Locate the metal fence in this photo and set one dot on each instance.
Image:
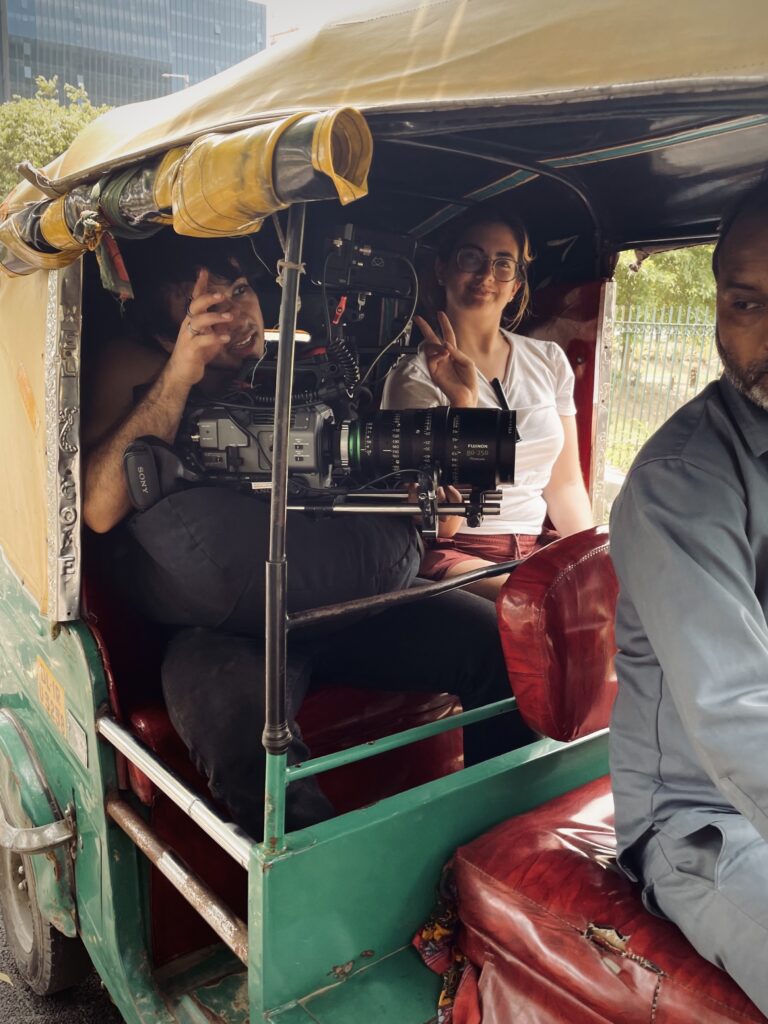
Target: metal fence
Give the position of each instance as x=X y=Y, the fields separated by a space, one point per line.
x=661 y=359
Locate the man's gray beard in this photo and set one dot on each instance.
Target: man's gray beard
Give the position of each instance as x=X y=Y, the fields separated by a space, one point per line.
x=757 y=393
x=741 y=380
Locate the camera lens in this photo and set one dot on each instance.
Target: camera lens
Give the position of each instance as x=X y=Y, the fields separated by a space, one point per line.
x=475 y=447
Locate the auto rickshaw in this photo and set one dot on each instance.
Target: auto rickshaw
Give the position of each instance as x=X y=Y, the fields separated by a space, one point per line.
x=607 y=127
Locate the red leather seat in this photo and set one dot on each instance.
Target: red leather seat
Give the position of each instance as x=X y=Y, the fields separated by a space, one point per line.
x=556 y=622
x=561 y=935
x=556 y=931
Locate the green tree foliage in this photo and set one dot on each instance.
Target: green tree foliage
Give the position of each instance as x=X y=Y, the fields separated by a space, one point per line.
x=39 y=129
x=682 y=277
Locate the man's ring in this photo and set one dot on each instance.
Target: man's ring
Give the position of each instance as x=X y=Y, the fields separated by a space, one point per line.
x=192 y=329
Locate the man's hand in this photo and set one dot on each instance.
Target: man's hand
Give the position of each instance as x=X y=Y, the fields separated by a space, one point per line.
x=198 y=342
x=106 y=499
x=450 y=369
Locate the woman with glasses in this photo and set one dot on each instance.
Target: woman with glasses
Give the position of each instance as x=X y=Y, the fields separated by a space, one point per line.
x=482 y=295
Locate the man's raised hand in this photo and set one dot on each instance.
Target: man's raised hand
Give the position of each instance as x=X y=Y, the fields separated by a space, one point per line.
x=198 y=342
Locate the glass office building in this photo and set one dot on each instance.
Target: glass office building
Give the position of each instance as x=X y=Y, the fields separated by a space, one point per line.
x=124 y=50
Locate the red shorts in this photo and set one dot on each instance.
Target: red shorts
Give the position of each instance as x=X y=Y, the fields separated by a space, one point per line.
x=442 y=555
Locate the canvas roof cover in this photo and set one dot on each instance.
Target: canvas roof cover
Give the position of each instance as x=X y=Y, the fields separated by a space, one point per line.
x=413 y=54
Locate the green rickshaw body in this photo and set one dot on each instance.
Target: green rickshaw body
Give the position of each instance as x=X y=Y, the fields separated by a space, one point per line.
x=463 y=103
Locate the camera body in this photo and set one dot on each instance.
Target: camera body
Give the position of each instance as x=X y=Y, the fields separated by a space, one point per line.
x=239 y=443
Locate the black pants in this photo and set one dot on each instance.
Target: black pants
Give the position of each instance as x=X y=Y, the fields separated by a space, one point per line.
x=196 y=559
x=214 y=689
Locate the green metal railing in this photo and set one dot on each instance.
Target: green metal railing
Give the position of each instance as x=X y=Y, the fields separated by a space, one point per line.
x=279 y=774
x=399 y=739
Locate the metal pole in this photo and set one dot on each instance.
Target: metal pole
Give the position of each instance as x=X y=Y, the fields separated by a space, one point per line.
x=694 y=386
x=328 y=612
x=227 y=925
x=277 y=735
x=228 y=836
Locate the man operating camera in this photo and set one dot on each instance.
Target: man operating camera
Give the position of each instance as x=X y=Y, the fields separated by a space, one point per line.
x=195 y=560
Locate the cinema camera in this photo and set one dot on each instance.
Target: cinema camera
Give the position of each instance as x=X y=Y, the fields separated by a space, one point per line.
x=336 y=459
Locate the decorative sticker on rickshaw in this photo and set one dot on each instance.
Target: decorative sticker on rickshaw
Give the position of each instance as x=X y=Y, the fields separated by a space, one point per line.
x=52 y=696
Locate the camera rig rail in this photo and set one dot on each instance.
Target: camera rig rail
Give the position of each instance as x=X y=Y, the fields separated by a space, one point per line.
x=154 y=469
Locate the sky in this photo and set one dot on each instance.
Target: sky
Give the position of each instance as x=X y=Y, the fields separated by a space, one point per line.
x=284 y=15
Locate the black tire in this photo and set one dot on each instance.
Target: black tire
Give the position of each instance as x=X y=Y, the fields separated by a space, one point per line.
x=47 y=960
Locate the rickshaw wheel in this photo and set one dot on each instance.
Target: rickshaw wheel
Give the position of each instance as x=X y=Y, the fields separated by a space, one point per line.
x=47 y=960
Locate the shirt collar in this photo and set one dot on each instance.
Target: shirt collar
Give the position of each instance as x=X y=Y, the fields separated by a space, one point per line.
x=750 y=418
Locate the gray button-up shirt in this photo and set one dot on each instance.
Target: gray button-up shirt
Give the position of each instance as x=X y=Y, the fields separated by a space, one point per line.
x=689 y=539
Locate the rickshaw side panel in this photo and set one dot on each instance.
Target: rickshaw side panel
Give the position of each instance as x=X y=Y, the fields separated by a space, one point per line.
x=25 y=794
x=362 y=869
x=52 y=683
x=24 y=311
x=396 y=990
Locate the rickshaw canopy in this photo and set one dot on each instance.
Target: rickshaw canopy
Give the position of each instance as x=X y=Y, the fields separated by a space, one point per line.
x=440 y=54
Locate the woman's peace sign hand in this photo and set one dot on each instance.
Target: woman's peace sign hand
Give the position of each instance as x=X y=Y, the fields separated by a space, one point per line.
x=450 y=369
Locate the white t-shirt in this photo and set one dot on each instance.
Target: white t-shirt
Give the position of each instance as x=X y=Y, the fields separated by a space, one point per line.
x=538 y=385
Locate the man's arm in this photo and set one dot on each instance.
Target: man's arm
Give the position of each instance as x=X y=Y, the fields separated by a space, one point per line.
x=105 y=498
x=684 y=560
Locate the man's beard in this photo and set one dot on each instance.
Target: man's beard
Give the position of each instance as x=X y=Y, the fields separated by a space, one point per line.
x=750 y=380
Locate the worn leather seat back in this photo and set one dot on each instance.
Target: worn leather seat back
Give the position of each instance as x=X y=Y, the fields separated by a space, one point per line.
x=556 y=615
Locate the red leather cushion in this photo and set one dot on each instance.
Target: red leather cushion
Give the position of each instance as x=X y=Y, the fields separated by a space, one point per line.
x=130 y=647
x=570 y=314
x=338 y=717
x=152 y=726
x=544 y=910
x=556 y=614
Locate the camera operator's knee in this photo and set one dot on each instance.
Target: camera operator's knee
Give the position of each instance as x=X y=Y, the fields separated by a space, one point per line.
x=211 y=688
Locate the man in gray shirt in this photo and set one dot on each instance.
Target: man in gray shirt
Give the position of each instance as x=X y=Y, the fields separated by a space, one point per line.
x=689 y=538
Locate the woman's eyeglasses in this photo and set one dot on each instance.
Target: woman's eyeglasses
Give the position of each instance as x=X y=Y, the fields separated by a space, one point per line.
x=471 y=260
